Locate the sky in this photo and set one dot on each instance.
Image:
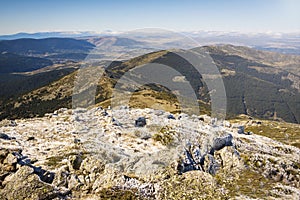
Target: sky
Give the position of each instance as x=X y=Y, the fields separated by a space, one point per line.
x=125 y=15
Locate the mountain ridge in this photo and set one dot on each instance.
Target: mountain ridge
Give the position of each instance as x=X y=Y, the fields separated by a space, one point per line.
x=257 y=83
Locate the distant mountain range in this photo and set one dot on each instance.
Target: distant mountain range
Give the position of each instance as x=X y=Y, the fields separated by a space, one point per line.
x=45 y=46
x=62 y=49
x=42 y=35
x=288 y=43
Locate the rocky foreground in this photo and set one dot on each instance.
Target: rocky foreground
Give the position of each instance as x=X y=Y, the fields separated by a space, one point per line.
x=142 y=154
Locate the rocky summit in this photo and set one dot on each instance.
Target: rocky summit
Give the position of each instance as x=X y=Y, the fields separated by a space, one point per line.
x=129 y=153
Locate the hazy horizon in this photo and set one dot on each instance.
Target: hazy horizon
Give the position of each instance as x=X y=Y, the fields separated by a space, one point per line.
x=116 y=32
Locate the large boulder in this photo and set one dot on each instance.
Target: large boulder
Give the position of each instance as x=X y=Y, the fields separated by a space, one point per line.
x=8 y=164
x=220 y=143
x=229 y=159
x=24 y=184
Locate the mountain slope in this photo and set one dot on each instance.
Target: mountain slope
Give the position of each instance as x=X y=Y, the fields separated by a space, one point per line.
x=10 y=62
x=259 y=86
x=256 y=84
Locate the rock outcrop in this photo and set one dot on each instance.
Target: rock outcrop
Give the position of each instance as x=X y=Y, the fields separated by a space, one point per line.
x=21 y=180
x=84 y=154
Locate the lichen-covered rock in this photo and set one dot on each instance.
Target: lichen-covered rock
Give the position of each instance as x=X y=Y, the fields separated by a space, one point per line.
x=61 y=176
x=73 y=182
x=3 y=154
x=10 y=159
x=105 y=161
x=92 y=165
x=210 y=166
x=24 y=184
x=75 y=162
x=108 y=179
x=229 y=159
x=220 y=143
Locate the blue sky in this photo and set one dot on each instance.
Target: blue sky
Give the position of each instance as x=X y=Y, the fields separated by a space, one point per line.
x=122 y=15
